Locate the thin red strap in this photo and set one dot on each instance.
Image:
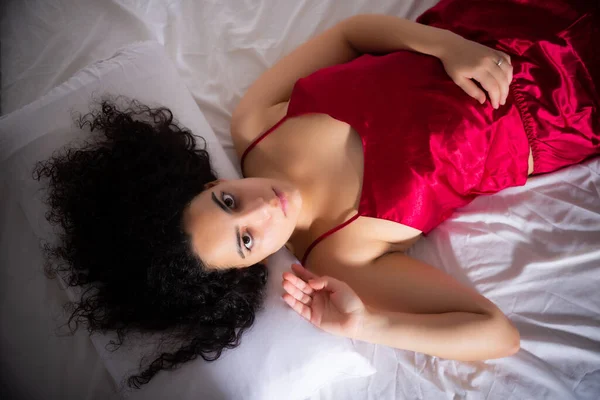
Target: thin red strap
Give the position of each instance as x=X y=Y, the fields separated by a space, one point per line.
x=258 y=140
x=323 y=236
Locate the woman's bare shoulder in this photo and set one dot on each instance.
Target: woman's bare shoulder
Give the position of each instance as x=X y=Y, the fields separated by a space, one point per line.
x=246 y=128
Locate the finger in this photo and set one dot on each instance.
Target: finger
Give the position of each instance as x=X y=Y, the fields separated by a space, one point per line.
x=471 y=89
x=488 y=82
x=508 y=71
x=296 y=293
x=298 y=282
x=340 y=293
x=326 y=282
x=506 y=66
x=501 y=79
x=303 y=272
x=300 y=308
x=505 y=56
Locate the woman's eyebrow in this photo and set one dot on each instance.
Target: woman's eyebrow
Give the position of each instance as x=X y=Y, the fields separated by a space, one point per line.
x=218 y=202
x=238 y=241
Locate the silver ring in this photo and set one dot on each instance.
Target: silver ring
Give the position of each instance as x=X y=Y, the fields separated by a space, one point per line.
x=499 y=62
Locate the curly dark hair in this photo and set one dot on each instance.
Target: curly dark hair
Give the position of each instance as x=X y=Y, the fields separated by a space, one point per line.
x=119 y=200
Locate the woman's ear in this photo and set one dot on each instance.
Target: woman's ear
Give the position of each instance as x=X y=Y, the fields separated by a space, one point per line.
x=213 y=183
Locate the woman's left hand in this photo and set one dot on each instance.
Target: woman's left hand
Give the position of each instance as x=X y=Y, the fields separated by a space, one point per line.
x=465 y=60
x=326 y=302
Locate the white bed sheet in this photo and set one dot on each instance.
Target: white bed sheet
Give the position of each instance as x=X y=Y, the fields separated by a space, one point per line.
x=535 y=251
x=219 y=46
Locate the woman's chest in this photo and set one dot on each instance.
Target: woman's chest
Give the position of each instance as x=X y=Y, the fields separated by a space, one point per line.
x=325 y=158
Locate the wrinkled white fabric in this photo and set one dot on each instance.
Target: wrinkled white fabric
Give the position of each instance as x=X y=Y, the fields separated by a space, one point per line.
x=534 y=251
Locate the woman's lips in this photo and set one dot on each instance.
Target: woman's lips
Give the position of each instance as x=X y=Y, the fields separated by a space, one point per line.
x=282 y=200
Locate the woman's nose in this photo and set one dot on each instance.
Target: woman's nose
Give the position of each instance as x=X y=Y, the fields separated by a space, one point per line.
x=259 y=211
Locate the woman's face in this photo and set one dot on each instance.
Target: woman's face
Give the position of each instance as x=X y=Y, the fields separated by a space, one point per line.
x=237 y=223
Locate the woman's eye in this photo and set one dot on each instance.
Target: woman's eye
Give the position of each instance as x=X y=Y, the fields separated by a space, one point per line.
x=228 y=200
x=247 y=240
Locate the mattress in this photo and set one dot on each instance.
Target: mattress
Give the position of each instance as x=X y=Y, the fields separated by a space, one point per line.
x=534 y=250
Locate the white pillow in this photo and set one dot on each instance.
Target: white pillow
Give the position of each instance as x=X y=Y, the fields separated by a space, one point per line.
x=282 y=356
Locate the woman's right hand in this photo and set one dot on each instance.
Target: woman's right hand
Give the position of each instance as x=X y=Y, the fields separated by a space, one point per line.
x=465 y=60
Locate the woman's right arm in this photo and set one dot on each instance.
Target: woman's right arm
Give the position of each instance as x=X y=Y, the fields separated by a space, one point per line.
x=339 y=44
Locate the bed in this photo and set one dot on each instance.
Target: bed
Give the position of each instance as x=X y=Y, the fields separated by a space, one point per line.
x=533 y=250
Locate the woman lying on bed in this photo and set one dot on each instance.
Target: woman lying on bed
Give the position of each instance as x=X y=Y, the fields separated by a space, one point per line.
x=349 y=159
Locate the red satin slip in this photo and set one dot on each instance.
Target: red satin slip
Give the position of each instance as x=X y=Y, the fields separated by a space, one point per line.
x=428 y=147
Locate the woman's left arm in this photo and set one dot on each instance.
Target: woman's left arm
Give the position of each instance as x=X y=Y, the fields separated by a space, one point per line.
x=409 y=305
